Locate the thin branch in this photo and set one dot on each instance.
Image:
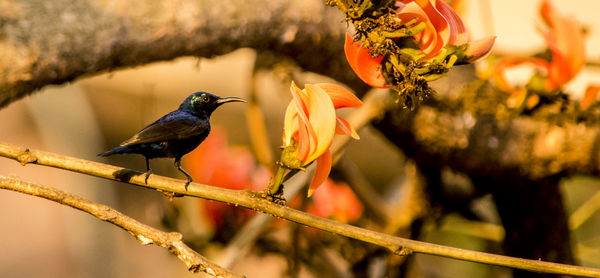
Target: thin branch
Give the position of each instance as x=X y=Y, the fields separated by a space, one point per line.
x=585 y=211
x=251 y=200
x=143 y=233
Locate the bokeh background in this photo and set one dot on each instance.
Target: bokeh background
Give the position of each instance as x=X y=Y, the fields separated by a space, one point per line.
x=43 y=239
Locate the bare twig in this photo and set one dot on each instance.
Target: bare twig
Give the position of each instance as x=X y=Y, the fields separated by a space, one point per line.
x=143 y=233
x=251 y=200
x=585 y=211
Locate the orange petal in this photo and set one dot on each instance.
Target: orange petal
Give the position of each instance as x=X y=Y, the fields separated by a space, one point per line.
x=436 y=33
x=361 y=62
x=321 y=173
x=591 y=93
x=322 y=119
x=458 y=6
x=479 y=49
x=566 y=41
x=458 y=30
x=340 y=96
x=307 y=138
x=298 y=98
x=303 y=141
x=346 y=128
x=498 y=74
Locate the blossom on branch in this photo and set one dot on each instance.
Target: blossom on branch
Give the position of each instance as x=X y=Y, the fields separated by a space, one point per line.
x=216 y=163
x=309 y=125
x=432 y=35
x=336 y=201
x=565 y=40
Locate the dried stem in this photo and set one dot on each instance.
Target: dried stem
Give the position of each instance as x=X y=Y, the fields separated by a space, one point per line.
x=143 y=233
x=251 y=200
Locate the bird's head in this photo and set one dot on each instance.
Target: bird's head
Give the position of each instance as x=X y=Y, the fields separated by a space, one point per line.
x=200 y=102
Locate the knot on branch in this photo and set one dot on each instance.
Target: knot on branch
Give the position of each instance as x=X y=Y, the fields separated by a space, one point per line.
x=195 y=268
x=175 y=237
x=144 y=240
x=26 y=157
x=276 y=198
x=403 y=251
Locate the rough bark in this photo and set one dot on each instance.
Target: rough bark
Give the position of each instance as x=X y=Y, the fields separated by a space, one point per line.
x=53 y=42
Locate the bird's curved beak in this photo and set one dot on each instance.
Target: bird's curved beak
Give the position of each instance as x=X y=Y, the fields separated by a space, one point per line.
x=230 y=99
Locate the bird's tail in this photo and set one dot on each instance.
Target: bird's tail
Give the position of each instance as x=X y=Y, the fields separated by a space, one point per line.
x=117 y=150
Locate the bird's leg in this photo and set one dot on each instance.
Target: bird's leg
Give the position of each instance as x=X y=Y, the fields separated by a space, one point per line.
x=148 y=170
x=189 y=178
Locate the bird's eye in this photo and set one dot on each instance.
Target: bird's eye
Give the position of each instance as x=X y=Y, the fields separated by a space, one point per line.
x=204 y=98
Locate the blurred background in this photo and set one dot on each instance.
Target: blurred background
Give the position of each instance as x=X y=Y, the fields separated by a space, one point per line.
x=43 y=239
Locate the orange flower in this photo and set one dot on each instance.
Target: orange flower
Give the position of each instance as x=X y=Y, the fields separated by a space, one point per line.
x=336 y=201
x=215 y=163
x=310 y=123
x=443 y=27
x=564 y=38
x=363 y=64
x=589 y=97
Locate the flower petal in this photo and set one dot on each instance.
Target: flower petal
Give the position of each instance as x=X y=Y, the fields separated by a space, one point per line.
x=340 y=96
x=361 y=62
x=322 y=119
x=436 y=33
x=304 y=141
x=345 y=128
x=306 y=135
x=458 y=30
x=321 y=173
x=299 y=99
x=290 y=124
x=479 y=49
x=498 y=74
x=566 y=41
x=591 y=93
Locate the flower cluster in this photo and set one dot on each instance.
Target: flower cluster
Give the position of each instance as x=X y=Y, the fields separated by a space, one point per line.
x=433 y=38
x=564 y=37
x=336 y=201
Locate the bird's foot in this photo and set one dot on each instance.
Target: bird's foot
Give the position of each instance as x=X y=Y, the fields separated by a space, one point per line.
x=187 y=183
x=276 y=198
x=147 y=174
x=170 y=194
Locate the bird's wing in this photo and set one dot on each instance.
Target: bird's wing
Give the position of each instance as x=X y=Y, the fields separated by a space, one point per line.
x=172 y=129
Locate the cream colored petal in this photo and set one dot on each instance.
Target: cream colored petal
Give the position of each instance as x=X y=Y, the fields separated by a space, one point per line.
x=322 y=120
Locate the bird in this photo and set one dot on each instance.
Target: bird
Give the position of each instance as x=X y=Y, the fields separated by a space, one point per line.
x=176 y=133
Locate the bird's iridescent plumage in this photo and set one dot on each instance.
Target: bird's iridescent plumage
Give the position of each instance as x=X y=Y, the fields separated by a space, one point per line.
x=176 y=133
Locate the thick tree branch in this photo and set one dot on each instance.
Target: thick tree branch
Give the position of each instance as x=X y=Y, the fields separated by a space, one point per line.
x=143 y=233
x=62 y=40
x=251 y=200
x=468 y=127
